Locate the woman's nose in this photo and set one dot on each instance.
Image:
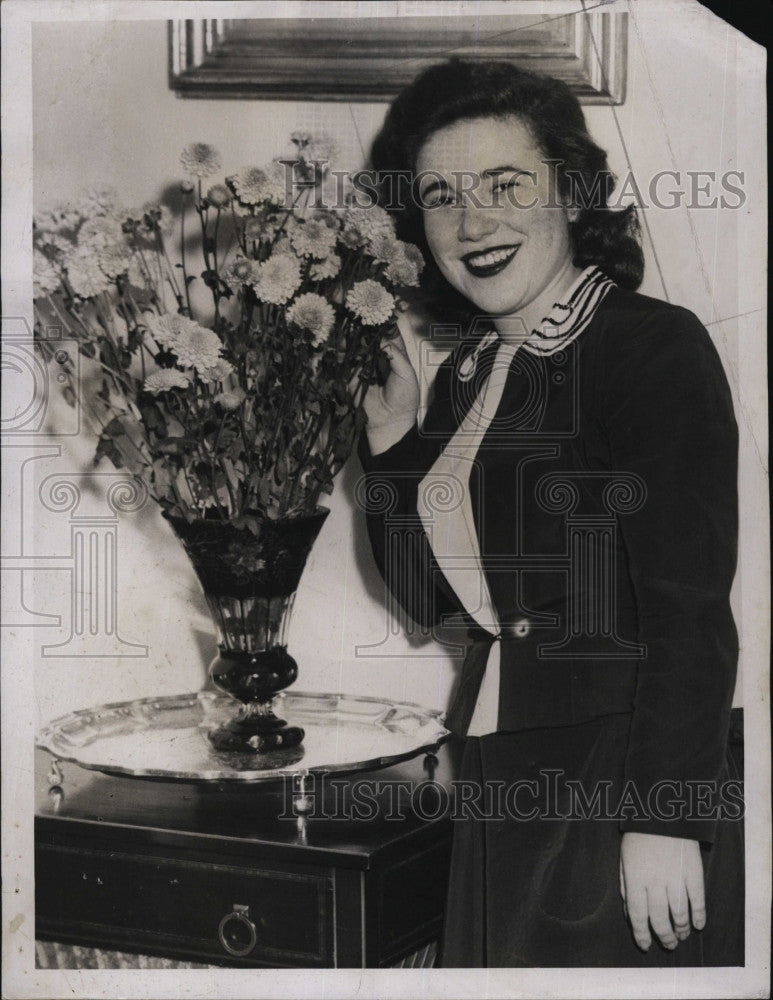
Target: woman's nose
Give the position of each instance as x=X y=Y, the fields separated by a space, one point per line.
x=476 y=223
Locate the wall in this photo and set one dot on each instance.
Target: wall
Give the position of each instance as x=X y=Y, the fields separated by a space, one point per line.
x=103 y=113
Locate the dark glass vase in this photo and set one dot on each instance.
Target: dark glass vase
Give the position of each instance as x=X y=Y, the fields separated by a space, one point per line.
x=250 y=581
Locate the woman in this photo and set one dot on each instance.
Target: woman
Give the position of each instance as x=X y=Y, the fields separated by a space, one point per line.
x=571 y=497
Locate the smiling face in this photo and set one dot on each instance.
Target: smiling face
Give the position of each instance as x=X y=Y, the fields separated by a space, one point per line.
x=493 y=219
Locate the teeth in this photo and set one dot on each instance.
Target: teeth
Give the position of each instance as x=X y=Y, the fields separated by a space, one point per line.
x=493 y=257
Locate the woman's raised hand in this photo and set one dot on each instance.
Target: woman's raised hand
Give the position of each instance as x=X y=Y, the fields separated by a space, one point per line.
x=392 y=408
x=661 y=882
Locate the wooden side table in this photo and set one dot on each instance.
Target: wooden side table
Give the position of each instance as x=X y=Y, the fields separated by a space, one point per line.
x=231 y=875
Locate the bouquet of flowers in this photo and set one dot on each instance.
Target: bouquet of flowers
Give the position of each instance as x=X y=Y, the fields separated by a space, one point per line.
x=235 y=388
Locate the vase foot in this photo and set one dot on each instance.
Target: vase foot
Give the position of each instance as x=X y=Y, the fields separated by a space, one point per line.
x=254 y=733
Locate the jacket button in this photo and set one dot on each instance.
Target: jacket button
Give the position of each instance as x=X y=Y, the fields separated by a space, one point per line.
x=521 y=628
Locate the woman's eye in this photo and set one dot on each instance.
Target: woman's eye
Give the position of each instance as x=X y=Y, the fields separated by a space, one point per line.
x=505 y=184
x=444 y=199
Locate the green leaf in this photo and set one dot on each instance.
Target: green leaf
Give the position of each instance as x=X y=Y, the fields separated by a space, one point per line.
x=113 y=429
x=106 y=448
x=175 y=445
x=68 y=394
x=211 y=279
x=152 y=416
x=280 y=469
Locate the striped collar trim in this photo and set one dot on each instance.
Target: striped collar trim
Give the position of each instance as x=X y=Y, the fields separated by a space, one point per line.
x=563 y=324
x=567 y=320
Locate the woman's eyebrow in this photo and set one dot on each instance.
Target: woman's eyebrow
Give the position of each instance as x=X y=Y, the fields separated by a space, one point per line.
x=437 y=185
x=507 y=169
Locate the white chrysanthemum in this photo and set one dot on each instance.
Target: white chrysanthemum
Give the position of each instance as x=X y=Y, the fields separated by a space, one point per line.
x=278 y=278
x=100 y=231
x=51 y=239
x=414 y=255
x=167 y=329
x=60 y=243
x=166 y=379
x=369 y=222
x=403 y=272
x=241 y=211
x=241 y=271
x=200 y=160
x=43 y=223
x=329 y=267
x=385 y=248
x=114 y=259
x=313 y=239
x=86 y=277
x=280 y=175
x=97 y=202
x=219 y=196
x=66 y=216
x=198 y=348
x=371 y=302
x=351 y=237
x=256 y=229
x=313 y=313
x=232 y=399
x=320 y=149
x=283 y=244
x=44 y=275
x=253 y=186
x=217 y=372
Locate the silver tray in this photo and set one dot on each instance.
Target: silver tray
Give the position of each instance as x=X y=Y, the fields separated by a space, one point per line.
x=166 y=738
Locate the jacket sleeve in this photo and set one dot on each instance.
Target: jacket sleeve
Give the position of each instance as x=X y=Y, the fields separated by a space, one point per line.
x=669 y=419
x=388 y=495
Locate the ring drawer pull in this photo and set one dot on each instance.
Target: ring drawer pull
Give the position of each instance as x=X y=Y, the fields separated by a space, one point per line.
x=230 y=938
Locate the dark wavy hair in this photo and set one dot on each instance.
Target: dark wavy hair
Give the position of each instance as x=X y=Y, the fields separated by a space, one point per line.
x=462 y=89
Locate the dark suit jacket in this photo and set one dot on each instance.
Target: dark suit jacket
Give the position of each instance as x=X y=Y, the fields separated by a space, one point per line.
x=605 y=501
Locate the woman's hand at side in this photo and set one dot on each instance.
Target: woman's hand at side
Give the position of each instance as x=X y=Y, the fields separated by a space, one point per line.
x=392 y=408
x=661 y=882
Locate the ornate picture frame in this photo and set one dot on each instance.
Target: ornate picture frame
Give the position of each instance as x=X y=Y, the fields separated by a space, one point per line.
x=371 y=59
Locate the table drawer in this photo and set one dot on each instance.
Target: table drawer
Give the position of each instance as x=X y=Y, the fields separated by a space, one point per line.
x=231 y=913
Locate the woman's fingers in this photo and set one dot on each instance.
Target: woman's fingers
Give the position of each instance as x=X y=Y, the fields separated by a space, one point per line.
x=680 y=912
x=622 y=887
x=638 y=915
x=398 y=357
x=696 y=892
x=657 y=902
x=662 y=884
x=401 y=391
x=392 y=408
